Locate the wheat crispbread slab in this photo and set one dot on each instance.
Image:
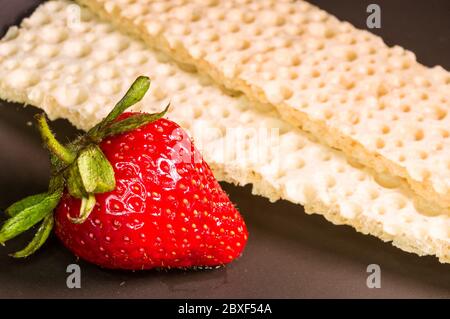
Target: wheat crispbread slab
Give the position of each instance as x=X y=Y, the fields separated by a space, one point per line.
x=344 y=85
x=78 y=69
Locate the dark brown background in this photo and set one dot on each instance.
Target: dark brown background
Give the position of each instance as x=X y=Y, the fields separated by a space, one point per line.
x=289 y=254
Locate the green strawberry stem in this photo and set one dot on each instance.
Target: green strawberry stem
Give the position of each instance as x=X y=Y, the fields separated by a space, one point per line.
x=80 y=167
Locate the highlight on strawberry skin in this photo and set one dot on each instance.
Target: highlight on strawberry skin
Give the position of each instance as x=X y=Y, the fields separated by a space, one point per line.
x=132 y=193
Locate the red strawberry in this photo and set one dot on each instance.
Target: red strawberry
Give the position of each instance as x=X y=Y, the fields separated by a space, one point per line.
x=133 y=193
x=167 y=210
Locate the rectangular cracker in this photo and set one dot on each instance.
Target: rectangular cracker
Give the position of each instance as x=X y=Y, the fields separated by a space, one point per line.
x=345 y=86
x=78 y=69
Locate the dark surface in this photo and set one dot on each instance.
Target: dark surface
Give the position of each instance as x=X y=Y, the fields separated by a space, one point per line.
x=289 y=254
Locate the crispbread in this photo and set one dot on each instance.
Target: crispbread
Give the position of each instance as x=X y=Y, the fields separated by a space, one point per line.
x=344 y=85
x=78 y=70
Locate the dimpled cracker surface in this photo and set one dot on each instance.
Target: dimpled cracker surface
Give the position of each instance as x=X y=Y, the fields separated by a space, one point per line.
x=344 y=85
x=79 y=70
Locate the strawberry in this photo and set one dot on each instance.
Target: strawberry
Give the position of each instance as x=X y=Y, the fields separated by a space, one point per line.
x=133 y=193
x=167 y=210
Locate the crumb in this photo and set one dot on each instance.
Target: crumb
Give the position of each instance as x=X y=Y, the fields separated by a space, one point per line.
x=122 y=283
x=29 y=123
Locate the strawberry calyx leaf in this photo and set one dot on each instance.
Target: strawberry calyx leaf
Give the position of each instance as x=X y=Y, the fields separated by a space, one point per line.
x=39 y=238
x=24 y=203
x=51 y=143
x=134 y=94
x=34 y=212
x=87 y=205
x=131 y=123
x=80 y=166
x=90 y=173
